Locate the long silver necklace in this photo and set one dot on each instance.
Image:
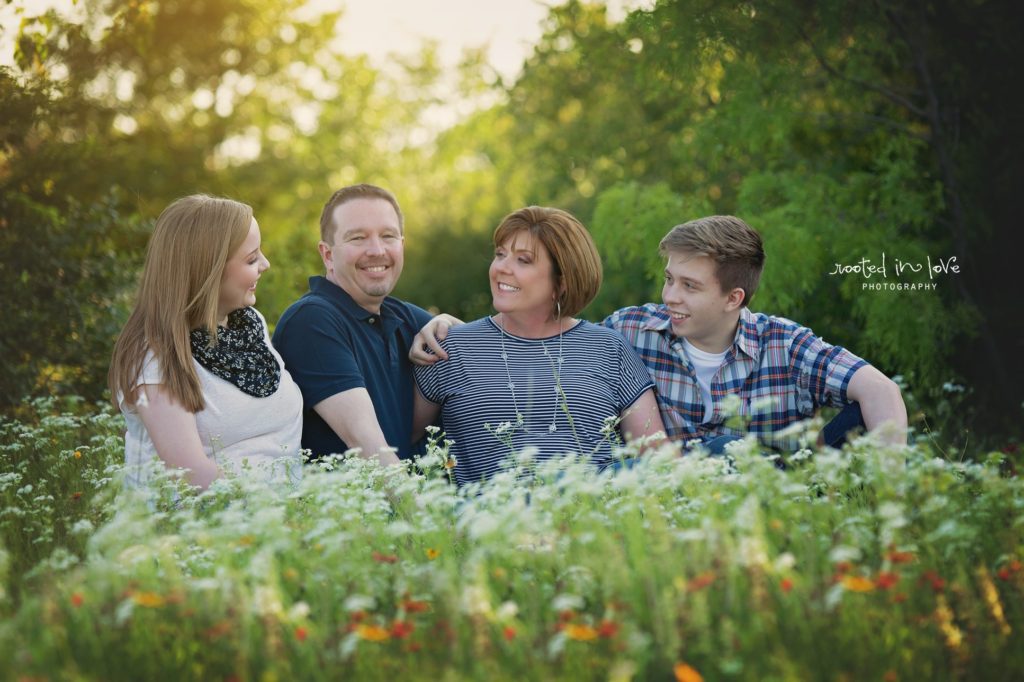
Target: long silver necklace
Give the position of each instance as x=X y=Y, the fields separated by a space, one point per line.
x=556 y=371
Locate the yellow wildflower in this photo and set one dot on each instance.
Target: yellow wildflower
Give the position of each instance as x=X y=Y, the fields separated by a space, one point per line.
x=581 y=633
x=944 y=616
x=857 y=583
x=685 y=673
x=372 y=633
x=148 y=599
x=78 y=454
x=991 y=595
x=432 y=553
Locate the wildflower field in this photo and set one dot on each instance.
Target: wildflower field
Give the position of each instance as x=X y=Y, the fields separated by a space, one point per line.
x=871 y=563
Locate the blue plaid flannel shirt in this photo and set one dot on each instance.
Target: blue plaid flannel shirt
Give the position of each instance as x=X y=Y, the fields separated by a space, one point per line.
x=780 y=371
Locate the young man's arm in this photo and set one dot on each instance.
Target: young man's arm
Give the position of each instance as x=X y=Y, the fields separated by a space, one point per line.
x=351 y=415
x=881 y=404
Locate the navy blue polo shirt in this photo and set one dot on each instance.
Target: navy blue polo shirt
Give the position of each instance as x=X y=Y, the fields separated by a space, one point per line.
x=331 y=344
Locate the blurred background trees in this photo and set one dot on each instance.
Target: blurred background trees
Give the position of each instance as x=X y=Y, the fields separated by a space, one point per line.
x=839 y=130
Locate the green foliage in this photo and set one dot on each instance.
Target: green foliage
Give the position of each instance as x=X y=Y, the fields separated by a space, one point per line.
x=56 y=468
x=839 y=130
x=629 y=221
x=867 y=563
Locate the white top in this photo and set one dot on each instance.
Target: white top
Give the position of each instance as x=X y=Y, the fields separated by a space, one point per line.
x=705 y=365
x=235 y=428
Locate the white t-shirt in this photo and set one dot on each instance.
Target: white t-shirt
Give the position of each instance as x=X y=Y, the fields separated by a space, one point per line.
x=705 y=364
x=235 y=428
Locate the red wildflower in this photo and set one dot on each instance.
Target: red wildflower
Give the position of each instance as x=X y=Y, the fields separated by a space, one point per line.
x=900 y=557
x=786 y=584
x=218 y=629
x=77 y=600
x=415 y=606
x=301 y=633
x=607 y=629
x=1016 y=565
x=699 y=582
x=1003 y=573
x=937 y=582
x=509 y=633
x=76 y=496
x=401 y=628
x=899 y=597
x=886 y=579
x=843 y=567
x=384 y=558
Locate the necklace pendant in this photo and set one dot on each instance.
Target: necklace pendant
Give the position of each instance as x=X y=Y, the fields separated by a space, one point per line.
x=552 y=428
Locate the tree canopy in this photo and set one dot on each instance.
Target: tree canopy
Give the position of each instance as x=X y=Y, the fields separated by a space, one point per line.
x=839 y=130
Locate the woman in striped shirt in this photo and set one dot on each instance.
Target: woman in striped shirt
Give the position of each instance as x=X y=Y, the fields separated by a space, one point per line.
x=531 y=375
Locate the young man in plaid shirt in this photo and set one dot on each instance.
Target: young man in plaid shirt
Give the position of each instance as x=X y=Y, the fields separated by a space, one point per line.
x=702 y=346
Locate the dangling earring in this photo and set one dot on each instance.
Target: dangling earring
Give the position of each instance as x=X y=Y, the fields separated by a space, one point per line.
x=558 y=310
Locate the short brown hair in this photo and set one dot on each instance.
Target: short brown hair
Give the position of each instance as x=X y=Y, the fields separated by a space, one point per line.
x=735 y=247
x=574 y=257
x=350 y=193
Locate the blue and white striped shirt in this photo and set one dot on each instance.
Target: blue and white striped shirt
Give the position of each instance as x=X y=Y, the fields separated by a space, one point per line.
x=601 y=376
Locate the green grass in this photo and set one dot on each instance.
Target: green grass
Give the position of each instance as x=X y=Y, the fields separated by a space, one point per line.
x=873 y=563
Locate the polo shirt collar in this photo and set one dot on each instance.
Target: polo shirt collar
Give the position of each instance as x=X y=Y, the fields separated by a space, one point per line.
x=321 y=286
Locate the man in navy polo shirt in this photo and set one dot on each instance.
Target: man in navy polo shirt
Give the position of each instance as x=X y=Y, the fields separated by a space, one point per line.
x=345 y=341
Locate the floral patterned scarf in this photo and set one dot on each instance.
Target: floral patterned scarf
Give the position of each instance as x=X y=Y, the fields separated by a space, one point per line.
x=240 y=355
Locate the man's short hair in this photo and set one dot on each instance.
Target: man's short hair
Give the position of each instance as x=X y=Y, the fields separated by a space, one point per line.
x=346 y=194
x=734 y=246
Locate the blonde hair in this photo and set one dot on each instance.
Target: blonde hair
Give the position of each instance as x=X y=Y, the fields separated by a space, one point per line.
x=735 y=247
x=574 y=257
x=179 y=291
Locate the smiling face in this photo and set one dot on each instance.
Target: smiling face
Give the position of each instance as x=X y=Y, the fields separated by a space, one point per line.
x=367 y=255
x=241 y=272
x=522 y=278
x=701 y=312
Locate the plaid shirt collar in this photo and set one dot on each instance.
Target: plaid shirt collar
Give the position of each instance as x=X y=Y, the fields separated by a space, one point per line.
x=746 y=338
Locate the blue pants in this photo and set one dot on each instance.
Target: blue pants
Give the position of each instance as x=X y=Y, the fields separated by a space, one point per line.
x=835 y=432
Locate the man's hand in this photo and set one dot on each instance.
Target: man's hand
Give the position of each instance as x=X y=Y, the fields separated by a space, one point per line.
x=426 y=346
x=351 y=415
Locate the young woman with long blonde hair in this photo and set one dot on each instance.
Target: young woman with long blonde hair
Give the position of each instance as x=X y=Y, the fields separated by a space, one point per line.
x=193 y=371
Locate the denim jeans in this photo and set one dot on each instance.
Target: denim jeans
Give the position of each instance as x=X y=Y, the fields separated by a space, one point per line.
x=835 y=432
